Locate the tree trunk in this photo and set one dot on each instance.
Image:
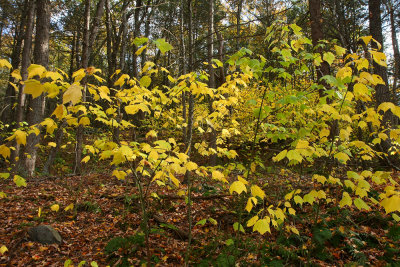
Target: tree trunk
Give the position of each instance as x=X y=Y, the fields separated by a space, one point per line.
x=40 y=57
x=84 y=64
x=395 y=45
x=382 y=93
x=211 y=81
x=26 y=60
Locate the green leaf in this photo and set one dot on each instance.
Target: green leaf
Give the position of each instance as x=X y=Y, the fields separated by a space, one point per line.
x=145 y=81
x=294 y=155
x=19 y=181
x=4 y=175
x=138 y=41
x=82 y=263
x=329 y=57
x=68 y=263
x=163 y=45
x=201 y=222
x=94 y=264
x=238 y=227
x=298 y=200
x=346 y=200
x=229 y=242
x=360 y=204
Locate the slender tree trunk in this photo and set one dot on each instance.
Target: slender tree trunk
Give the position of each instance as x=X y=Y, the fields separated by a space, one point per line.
x=211 y=80
x=189 y=133
x=95 y=28
x=182 y=64
x=84 y=64
x=41 y=57
x=26 y=60
x=317 y=35
x=395 y=45
x=238 y=15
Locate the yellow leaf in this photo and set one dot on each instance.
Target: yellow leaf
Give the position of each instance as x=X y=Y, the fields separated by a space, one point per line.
x=84 y=121
x=5 y=151
x=140 y=50
x=59 y=112
x=85 y=159
x=191 y=166
x=366 y=39
x=361 y=92
x=292 y=211
x=294 y=155
x=344 y=72
x=174 y=180
x=16 y=74
x=252 y=221
x=242 y=180
x=217 y=175
x=55 y=207
x=52 y=144
x=39 y=212
x=21 y=137
x=346 y=200
x=302 y=144
x=151 y=133
x=391 y=204
x=385 y=106
x=119 y=174
x=35 y=70
x=3 y=249
x=324 y=133
x=249 y=205
x=294 y=230
x=379 y=58
x=237 y=187
x=377 y=79
x=73 y=94
x=262 y=226
x=320 y=179
x=69 y=207
x=256 y=191
x=280 y=156
x=341 y=156
x=145 y=81
x=2 y=195
x=33 y=87
x=153 y=155
x=5 y=63
x=340 y=51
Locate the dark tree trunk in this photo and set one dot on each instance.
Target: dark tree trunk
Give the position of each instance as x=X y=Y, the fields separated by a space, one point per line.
x=40 y=57
x=211 y=81
x=382 y=93
x=84 y=64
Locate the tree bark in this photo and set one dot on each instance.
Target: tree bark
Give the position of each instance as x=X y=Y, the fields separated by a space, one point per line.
x=382 y=93
x=211 y=81
x=84 y=65
x=41 y=57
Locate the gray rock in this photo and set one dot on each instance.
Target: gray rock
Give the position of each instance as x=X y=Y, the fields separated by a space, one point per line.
x=44 y=234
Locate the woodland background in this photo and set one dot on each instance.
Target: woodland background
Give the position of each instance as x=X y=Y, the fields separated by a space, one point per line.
x=200 y=132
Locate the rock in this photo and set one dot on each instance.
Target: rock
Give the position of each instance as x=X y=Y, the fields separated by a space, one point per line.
x=44 y=234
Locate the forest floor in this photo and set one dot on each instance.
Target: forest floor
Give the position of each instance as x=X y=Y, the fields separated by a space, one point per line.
x=106 y=208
